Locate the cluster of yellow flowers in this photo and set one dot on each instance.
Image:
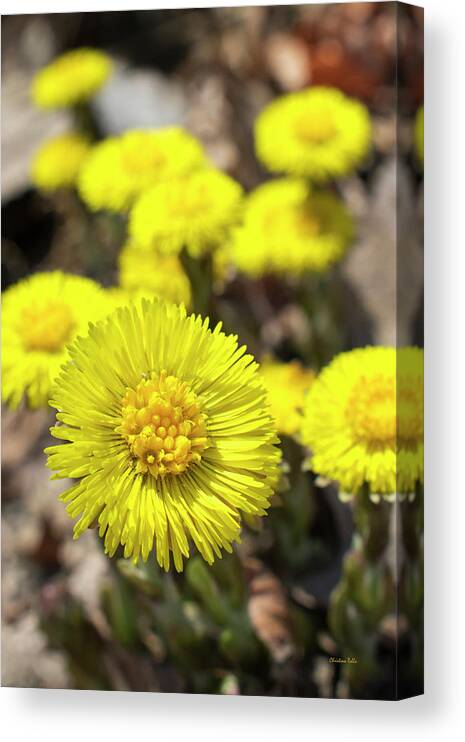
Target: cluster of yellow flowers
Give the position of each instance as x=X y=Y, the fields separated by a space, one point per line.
x=120 y=169
x=291 y=225
x=170 y=428
x=361 y=417
x=70 y=81
x=176 y=200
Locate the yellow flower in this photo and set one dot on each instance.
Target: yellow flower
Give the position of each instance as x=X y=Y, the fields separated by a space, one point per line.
x=196 y=212
x=419 y=134
x=154 y=274
x=168 y=431
x=290 y=229
x=70 y=79
x=317 y=133
x=120 y=168
x=41 y=315
x=287 y=384
x=363 y=420
x=57 y=162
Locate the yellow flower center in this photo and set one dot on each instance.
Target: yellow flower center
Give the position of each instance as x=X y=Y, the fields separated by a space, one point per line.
x=141 y=157
x=315 y=129
x=190 y=201
x=307 y=223
x=410 y=412
x=379 y=413
x=371 y=409
x=47 y=326
x=163 y=425
x=295 y=220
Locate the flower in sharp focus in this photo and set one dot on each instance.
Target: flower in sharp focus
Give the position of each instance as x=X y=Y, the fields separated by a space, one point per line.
x=41 y=316
x=120 y=168
x=318 y=133
x=290 y=229
x=196 y=212
x=167 y=428
x=57 y=162
x=70 y=79
x=154 y=274
x=287 y=385
x=363 y=420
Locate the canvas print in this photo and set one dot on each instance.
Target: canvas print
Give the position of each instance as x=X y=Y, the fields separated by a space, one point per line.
x=212 y=365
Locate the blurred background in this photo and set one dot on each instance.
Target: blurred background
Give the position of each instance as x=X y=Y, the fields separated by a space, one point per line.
x=71 y=620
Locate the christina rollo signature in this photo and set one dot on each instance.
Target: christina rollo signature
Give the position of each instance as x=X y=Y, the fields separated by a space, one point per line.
x=344 y=660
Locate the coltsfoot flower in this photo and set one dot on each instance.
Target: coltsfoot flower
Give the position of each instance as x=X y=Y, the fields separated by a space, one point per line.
x=287 y=385
x=57 y=162
x=318 y=133
x=72 y=78
x=196 y=212
x=120 y=168
x=41 y=315
x=155 y=274
x=290 y=229
x=363 y=421
x=167 y=428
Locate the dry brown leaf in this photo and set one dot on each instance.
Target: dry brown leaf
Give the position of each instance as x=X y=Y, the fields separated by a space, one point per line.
x=268 y=611
x=288 y=60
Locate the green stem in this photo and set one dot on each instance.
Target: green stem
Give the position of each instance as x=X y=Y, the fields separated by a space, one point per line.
x=365 y=595
x=371 y=522
x=320 y=304
x=200 y=273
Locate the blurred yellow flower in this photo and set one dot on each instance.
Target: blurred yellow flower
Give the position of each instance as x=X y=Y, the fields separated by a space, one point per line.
x=363 y=420
x=57 y=162
x=318 y=133
x=287 y=384
x=154 y=274
x=196 y=212
x=41 y=316
x=166 y=426
x=419 y=134
x=120 y=168
x=70 y=79
x=290 y=229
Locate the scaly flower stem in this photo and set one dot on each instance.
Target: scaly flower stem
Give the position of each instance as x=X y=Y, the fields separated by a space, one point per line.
x=292 y=520
x=364 y=596
x=410 y=592
x=200 y=272
x=319 y=304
